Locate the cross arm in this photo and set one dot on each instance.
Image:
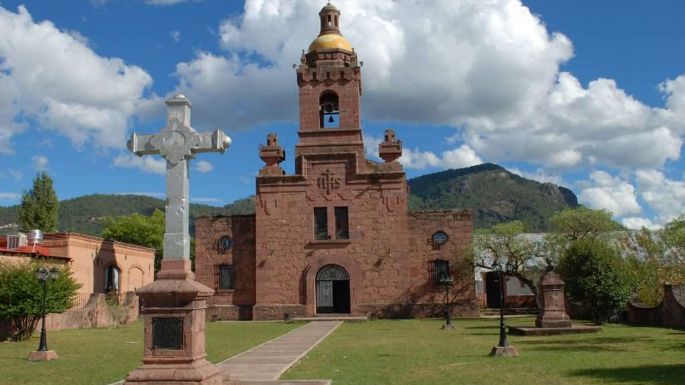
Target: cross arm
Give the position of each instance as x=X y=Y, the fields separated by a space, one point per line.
x=142 y=144
x=215 y=141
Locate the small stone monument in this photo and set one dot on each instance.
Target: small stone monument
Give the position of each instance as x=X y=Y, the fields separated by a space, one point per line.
x=553 y=312
x=174 y=304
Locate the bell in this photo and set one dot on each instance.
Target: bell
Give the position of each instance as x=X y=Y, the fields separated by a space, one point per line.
x=330 y=119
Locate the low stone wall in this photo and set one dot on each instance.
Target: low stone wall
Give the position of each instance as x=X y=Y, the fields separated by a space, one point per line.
x=670 y=312
x=97 y=313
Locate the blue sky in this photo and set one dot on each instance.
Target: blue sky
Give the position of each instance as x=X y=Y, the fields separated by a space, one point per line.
x=585 y=94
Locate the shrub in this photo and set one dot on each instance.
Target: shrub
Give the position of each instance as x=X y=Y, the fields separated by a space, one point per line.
x=595 y=272
x=21 y=296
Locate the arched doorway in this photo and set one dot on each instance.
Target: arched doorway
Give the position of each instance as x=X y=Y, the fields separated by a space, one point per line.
x=332 y=290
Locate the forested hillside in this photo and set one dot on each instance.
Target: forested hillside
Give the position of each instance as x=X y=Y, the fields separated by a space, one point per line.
x=495 y=195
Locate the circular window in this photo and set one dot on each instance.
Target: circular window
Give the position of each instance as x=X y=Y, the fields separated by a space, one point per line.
x=440 y=238
x=225 y=243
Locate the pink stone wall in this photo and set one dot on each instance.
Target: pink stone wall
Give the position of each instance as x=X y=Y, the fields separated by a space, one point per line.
x=227 y=304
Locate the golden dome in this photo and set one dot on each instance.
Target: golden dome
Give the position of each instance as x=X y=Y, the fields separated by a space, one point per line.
x=330 y=41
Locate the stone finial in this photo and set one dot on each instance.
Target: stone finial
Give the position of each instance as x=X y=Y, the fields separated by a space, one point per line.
x=272 y=154
x=391 y=149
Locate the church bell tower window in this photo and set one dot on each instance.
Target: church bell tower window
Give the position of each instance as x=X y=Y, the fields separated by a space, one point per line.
x=329 y=113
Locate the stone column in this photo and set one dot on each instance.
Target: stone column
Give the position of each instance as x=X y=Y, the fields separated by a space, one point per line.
x=553 y=312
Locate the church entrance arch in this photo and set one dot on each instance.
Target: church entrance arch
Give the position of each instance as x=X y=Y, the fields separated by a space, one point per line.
x=332 y=290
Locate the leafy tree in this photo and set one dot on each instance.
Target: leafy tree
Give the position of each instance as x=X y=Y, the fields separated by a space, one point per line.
x=595 y=272
x=583 y=223
x=21 y=295
x=139 y=230
x=505 y=243
x=656 y=259
x=674 y=236
x=39 y=205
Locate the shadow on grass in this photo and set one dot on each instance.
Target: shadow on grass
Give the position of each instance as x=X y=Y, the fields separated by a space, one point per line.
x=588 y=341
x=650 y=374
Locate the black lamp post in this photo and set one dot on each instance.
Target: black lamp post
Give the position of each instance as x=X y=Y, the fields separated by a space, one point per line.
x=44 y=275
x=508 y=268
x=447 y=282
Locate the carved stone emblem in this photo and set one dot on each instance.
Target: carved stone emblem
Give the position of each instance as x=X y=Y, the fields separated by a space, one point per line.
x=328 y=181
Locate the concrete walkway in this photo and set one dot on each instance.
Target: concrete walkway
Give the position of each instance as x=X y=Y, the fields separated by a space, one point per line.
x=265 y=363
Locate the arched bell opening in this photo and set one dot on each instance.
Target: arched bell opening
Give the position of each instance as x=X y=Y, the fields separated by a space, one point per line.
x=332 y=290
x=329 y=113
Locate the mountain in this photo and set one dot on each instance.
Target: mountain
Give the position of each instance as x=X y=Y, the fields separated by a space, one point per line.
x=495 y=195
x=88 y=214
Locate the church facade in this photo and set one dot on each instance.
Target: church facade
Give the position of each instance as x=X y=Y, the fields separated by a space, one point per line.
x=335 y=237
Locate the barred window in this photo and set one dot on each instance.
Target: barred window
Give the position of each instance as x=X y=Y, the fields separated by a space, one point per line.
x=342 y=230
x=224 y=277
x=320 y=224
x=440 y=271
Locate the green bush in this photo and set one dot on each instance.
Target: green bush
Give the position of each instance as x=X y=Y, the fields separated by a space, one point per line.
x=595 y=272
x=21 y=295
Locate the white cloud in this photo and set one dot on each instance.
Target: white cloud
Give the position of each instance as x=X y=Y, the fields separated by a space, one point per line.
x=8 y=196
x=175 y=36
x=665 y=196
x=203 y=166
x=610 y=193
x=54 y=77
x=539 y=175
x=636 y=223
x=147 y=164
x=204 y=200
x=40 y=162
x=164 y=2
x=462 y=156
x=15 y=174
x=493 y=73
x=149 y=194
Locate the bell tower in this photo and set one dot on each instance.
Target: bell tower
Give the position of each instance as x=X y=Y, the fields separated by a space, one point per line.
x=329 y=81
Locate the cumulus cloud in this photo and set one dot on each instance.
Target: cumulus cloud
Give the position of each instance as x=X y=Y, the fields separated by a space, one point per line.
x=9 y=196
x=636 y=223
x=54 y=77
x=203 y=166
x=164 y=2
x=666 y=196
x=493 y=74
x=175 y=36
x=40 y=162
x=147 y=164
x=539 y=175
x=610 y=193
x=462 y=156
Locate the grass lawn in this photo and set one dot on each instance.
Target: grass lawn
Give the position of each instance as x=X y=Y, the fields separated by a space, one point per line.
x=417 y=352
x=103 y=356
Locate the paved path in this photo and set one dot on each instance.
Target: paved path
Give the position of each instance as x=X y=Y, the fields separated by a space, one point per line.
x=268 y=361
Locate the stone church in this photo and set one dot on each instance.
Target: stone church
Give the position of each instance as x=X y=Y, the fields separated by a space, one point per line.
x=336 y=236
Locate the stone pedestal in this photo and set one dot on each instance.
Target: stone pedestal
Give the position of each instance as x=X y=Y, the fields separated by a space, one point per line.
x=504 y=351
x=174 y=316
x=46 y=355
x=553 y=312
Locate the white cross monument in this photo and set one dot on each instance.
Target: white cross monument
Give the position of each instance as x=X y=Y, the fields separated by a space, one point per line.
x=174 y=304
x=178 y=143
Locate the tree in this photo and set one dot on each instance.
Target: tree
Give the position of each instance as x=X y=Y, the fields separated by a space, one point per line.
x=583 y=223
x=21 y=295
x=139 y=230
x=674 y=236
x=656 y=259
x=504 y=243
x=39 y=205
x=595 y=272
